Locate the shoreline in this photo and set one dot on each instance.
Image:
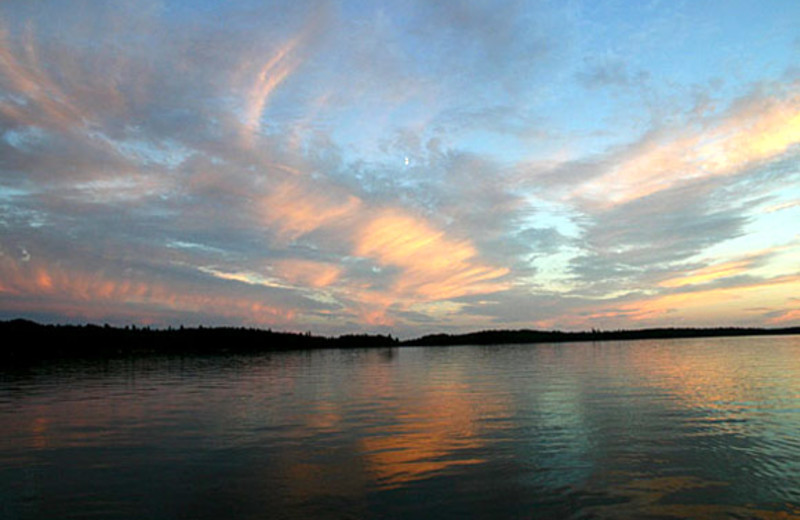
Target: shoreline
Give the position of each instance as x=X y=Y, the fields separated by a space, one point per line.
x=73 y=341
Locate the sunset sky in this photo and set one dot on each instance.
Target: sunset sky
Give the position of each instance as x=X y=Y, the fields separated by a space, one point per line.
x=403 y=166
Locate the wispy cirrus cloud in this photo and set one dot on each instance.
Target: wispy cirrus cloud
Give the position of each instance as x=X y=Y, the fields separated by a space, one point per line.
x=433 y=266
x=77 y=293
x=757 y=128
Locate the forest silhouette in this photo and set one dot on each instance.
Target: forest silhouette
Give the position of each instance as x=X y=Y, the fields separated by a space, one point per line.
x=28 y=340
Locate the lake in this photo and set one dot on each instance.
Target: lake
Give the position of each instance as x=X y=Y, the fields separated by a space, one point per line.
x=699 y=428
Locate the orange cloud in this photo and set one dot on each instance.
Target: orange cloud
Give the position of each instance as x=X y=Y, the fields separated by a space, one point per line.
x=270 y=75
x=786 y=317
x=723 y=270
x=427 y=265
x=708 y=274
x=430 y=265
x=759 y=130
x=781 y=207
x=791 y=313
x=433 y=266
x=283 y=63
x=307 y=272
x=26 y=76
x=34 y=286
x=296 y=211
x=60 y=97
x=711 y=306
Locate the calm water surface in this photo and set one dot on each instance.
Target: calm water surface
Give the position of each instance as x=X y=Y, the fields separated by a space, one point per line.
x=701 y=428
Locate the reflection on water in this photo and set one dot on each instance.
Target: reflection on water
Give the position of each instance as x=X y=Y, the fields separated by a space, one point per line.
x=704 y=428
x=426 y=436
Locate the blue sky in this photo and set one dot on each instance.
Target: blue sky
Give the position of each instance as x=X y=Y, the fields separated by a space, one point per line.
x=400 y=166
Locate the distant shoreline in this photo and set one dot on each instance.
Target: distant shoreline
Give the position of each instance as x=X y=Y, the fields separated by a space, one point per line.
x=78 y=341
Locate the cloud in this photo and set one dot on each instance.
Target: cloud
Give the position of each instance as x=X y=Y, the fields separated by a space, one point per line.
x=721 y=271
x=760 y=127
x=273 y=72
x=633 y=245
x=433 y=266
x=85 y=295
x=701 y=307
x=786 y=317
x=649 y=210
x=308 y=273
x=698 y=306
x=26 y=77
x=296 y=210
x=281 y=64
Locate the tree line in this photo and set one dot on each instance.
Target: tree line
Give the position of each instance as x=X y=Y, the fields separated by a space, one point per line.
x=24 y=339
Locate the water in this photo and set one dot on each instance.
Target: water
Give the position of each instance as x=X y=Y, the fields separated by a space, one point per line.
x=701 y=428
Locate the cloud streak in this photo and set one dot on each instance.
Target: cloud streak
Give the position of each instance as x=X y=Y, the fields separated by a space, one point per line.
x=755 y=129
x=433 y=267
x=95 y=295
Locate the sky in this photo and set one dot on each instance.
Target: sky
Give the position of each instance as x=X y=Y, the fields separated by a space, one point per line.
x=400 y=167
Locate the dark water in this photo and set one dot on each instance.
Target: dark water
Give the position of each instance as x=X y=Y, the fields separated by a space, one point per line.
x=705 y=428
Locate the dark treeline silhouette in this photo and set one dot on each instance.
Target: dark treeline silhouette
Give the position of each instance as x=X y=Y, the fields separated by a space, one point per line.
x=497 y=337
x=27 y=340
x=23 y=339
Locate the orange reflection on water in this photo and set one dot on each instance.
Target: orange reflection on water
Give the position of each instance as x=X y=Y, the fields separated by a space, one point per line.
x=442 y=430
x=649 y=498
x=40 y=433
x=712 y=382
x=726 y=382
